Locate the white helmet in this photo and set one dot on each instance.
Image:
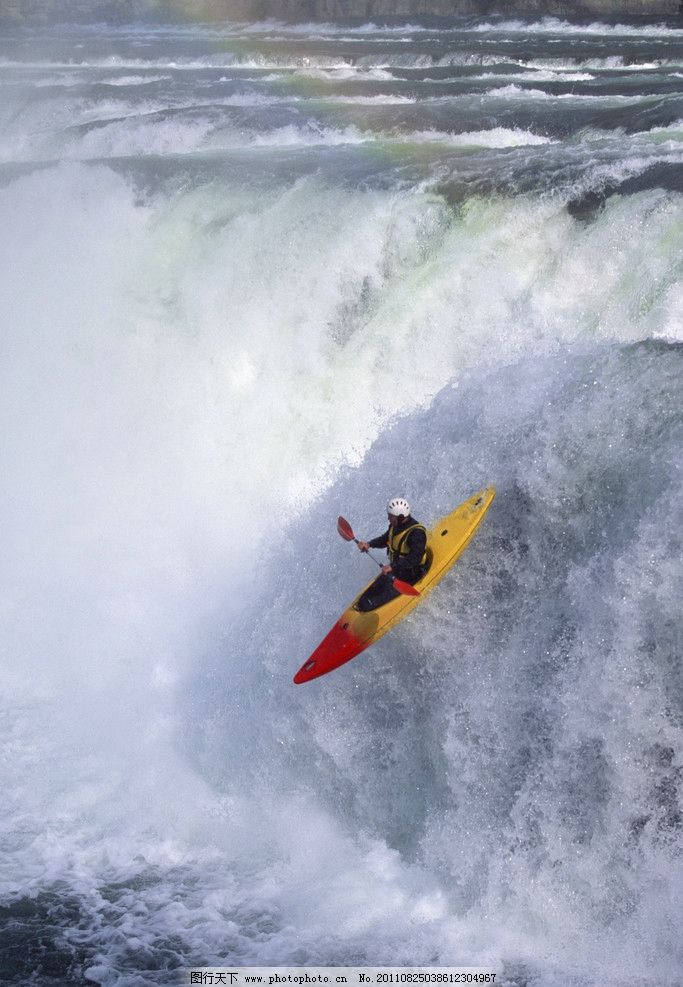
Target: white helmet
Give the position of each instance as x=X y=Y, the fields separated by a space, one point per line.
x=398 y=506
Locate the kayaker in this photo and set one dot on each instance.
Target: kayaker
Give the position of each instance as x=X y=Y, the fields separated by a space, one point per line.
x=406 y=542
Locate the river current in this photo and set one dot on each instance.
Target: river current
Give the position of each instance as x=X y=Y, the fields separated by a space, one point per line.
x=254 y=276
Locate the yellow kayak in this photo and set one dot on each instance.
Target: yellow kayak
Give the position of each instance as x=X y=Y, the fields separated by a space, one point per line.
x=356 y=631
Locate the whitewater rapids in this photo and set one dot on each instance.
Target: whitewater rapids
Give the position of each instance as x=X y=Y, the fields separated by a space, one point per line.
x=256 y=276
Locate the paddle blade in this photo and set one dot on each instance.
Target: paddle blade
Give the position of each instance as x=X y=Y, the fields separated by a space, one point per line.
x=345 y=529
x=405 y=588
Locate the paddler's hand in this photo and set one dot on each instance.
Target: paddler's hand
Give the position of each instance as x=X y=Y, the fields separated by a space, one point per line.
x=386 y=569
x=363 y=546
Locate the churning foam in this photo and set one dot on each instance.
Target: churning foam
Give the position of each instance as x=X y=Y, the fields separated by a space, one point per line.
x=198 y=376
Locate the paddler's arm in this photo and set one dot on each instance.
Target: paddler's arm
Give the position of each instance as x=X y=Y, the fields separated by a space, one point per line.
x=380 y=542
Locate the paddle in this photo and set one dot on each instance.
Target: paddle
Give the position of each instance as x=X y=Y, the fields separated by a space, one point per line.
x=346 y=531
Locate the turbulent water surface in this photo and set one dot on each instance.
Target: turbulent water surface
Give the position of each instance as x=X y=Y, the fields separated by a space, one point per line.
x=255 y=276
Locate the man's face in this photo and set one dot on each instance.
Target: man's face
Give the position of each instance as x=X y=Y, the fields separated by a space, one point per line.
x=393 y=520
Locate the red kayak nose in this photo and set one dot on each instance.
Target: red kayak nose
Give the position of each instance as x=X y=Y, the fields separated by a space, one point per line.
x=338 y=647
